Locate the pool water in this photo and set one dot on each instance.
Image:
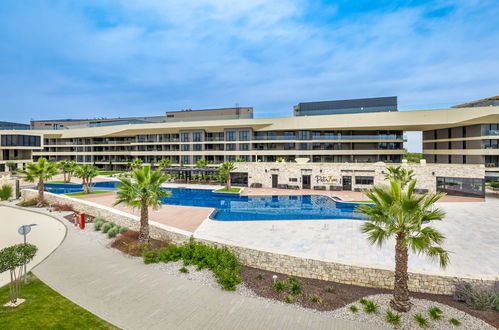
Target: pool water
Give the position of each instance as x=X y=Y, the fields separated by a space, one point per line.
x=234 y=207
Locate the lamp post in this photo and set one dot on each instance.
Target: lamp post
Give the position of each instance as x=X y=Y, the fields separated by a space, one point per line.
x=24 y=230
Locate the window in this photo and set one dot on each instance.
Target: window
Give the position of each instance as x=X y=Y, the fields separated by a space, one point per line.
x=461 y=186
x=198 y=147
x=184 y=137
x=464 y=144
x=449 y=159
x=230 y=136
x=21 y=141
x=464 y=131
x=185 y=147
x=197 y=136
x=293 y=179
x=186 y=159
x=464 y=159
x=231 y=158
x=231 y=147
x=304 y=135
x=364 y=180
x=243 y=136
x=244 y=146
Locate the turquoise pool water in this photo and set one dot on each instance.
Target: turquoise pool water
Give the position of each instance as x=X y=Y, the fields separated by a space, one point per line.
x=232 y=207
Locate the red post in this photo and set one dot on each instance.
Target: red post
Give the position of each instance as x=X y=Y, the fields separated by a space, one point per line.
x=82 y=220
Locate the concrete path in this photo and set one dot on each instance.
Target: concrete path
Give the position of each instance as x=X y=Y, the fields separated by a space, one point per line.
x=47 y=235
x=132 y=295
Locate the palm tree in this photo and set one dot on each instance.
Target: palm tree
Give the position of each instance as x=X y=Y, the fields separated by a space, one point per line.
x=136 y=163
x=202 y=163
x=224 y=170
x=42 y=170
x=86 y=173
x=404 y=214
x=67 y=167
x=142 y=192
x=11 y=166
x=165 y=163
x=399 y=174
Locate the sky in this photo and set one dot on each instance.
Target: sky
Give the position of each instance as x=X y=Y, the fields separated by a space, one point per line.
x=75 y=59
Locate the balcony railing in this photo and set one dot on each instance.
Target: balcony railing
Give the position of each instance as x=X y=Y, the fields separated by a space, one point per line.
x=332 y=137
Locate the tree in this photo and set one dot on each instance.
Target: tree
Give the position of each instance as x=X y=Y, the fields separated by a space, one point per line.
x=240 y=160
x=42 y=170
x=86 y=173
x=224 y=170
x=68 y=168
x=136 y=163
x=201 y=163
x=11 y=165
x=403 y=215
x=141 y=193
x=165 y=163
x=399 y=174
x=13 y=258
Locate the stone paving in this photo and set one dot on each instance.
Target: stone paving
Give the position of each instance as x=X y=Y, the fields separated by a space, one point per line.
x=472 y=231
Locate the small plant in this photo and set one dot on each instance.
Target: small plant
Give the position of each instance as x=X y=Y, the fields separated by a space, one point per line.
x=113 y=232
x=279 y=286
x=435 y=313
x=353 y=308
x=329 y=288
x=105 y=227
x=392 y=318
x=363 y=301
x=6 y=192
x=421 y=321
x=289 y=299
x=183 y=270
x=123 y=229
x=475 y=297
x=294 y=285
x=316 y=300
x=370 y=307
x=260 y=277
x=28 y=202
x=455 y=322
x=62 y=207
x=98 y=223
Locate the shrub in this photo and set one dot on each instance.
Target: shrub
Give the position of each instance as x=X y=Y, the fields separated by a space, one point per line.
x=494 y=184
x=363 y=301
x=151 y=257
x=475 y=297
x=183 y=270
x=289 y=299
x=370 y=307
x=329 y=288
x=294 y=285
x=260 y=277
x=105 y=227
x=435 y=313
x=316 y=300
x=113 y=232
x=455 y=322
x=392 y=318
x=279 y=286
x=62 y=207
x=98 y=223
x=28 y=202
x=421 y=320
x=6 y=192
x=123 y=229
x=353 y=308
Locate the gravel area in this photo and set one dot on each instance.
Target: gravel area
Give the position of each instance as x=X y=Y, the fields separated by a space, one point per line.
x=206 y=277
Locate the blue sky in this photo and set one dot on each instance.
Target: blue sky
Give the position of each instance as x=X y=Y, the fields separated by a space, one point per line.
x=108 y=58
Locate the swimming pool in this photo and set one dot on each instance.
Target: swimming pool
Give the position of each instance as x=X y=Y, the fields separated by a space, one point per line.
x=234 y=207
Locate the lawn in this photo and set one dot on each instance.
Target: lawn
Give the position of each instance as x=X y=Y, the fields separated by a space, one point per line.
x=109 y=172
x=232 y=190
x=62 y=182
x=81 y=193
x=45 y=309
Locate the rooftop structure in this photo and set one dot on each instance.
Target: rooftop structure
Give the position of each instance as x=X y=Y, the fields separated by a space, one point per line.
x=487 y=102
x=376 y=104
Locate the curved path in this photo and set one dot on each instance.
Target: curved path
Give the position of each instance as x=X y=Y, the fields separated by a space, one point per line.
x=47 y=235
x=132 y=295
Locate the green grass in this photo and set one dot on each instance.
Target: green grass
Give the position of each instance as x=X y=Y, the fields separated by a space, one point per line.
x=45 y=309
x=81 y=193
x=108 y=172
x=62 y=182
x=232 y=190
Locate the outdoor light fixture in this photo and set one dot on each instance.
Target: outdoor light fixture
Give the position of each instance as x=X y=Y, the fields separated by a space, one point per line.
x=274 y=277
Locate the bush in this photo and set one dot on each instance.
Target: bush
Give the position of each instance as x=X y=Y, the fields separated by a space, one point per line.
x=28 y=202
x=260 y=277
x=223 y=263
x=329 y=288
x=289 y=299
x=123 y=229
x=455 y=322
x=475 y=297
x=421 y=320
x=392 y=318
x=62 y=207
x=279 y=286
x=105 y=227
x=6 y=192
x=113 y=232
x=98 y=223
x=294 y=285
x=183 y=270
x=353 y=308
x=494 y=184
x=316 y=300
x=370 y=307
x=435 y=313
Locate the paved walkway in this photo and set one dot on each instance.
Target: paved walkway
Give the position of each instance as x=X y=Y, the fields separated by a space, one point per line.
x=47 y=235
x=132 y=295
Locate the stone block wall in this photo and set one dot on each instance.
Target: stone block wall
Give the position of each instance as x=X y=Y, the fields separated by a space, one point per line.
x=272 y=261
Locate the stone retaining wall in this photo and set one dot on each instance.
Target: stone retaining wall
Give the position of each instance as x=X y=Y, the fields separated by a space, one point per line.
x=271 y=261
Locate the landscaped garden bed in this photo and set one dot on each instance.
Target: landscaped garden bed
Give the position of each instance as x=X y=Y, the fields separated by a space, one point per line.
x=230 y=191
